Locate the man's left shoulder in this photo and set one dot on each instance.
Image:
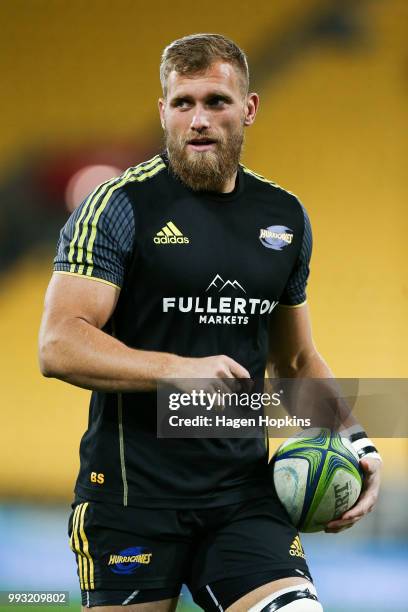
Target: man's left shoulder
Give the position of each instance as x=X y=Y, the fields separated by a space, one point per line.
x=260 y=182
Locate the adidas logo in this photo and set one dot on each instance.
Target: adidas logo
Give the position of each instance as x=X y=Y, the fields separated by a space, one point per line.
x=170 y=234
x=296 y=548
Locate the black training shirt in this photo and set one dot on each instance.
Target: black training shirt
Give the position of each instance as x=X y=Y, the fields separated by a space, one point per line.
x=200 y=274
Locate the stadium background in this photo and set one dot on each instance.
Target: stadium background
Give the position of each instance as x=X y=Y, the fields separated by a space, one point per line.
x=80 y=83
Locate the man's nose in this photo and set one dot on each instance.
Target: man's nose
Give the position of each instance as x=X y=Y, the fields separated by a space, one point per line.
x=200 y=120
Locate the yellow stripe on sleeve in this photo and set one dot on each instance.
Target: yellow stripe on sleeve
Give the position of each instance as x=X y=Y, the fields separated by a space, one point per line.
x=140 y=176
x=77 y=241
x=108 y=188
x=86 y=211
x=293 y=305
x=77 y=227
x=92 y=278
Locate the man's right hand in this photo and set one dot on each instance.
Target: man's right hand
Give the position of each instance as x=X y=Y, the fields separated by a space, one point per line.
x=213 y=373
x=218 y=366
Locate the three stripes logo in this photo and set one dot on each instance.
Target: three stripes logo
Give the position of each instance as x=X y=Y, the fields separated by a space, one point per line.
x=170 y=234
x=296 y=548
x=80 y=546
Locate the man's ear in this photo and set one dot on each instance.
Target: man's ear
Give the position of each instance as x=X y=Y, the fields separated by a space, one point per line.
x=162 y=104
x=251 y=109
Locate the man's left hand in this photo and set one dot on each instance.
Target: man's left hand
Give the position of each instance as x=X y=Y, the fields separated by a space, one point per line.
x=366 y=501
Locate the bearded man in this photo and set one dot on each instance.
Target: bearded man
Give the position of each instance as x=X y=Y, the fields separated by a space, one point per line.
x=174 y=270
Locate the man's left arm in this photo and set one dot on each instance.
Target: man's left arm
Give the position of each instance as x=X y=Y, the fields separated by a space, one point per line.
x=293 y=354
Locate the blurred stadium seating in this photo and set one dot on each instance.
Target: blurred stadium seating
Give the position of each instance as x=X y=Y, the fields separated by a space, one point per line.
x=332 y=128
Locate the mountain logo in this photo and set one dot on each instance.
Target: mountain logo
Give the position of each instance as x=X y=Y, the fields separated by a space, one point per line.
x=219 y=284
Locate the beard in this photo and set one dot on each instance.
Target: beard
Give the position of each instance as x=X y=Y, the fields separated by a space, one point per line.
x=205 y=170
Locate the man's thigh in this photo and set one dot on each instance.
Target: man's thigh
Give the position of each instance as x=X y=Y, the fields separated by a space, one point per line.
x=128 y=556
x=254 y=545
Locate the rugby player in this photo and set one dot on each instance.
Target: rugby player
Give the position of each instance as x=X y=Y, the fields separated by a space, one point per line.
x=129 y=304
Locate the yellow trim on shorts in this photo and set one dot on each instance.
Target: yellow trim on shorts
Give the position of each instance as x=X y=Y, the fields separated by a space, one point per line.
x=71 y=539
x=80 y=546
x=94 y=278
x=75 y=545
x=88 y=579
x=293 y=305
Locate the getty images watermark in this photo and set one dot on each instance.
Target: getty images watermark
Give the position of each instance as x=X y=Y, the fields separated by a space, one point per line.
x=213 y=412
x=226 y=400
x=230 y=408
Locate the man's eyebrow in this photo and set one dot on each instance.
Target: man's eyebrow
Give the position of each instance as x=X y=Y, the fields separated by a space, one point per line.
x=220 y=95
x=181 y=98
x=211 y=96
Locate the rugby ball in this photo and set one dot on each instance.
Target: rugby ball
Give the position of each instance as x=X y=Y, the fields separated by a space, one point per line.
x=317 y=477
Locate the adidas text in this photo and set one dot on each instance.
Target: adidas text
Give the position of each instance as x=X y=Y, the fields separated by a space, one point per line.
x=171 y=240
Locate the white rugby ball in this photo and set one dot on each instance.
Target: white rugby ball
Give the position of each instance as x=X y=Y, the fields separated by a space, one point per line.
x=317 y=477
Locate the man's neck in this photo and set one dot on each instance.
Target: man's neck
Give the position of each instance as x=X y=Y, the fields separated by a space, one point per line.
x=229 y=184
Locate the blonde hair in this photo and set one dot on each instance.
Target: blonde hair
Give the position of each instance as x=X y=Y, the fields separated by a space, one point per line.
x=197 y=52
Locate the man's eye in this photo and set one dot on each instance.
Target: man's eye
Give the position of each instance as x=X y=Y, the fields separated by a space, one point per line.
x=217 y=101
x=182 y=103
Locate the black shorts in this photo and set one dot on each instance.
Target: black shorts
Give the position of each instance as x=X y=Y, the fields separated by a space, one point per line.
x=147 y=554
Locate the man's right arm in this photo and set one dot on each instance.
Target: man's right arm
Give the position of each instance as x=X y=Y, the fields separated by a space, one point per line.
x=73 y=347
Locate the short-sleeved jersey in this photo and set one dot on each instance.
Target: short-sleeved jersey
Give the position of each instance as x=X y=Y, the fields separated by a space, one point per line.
x=200 y=274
